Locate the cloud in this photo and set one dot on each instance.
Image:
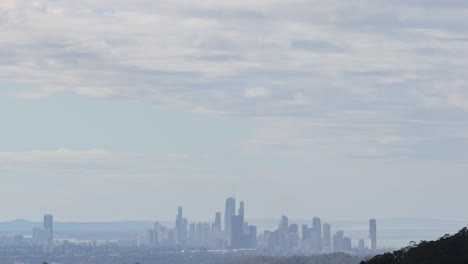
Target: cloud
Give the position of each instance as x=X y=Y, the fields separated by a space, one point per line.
x=73 y=161
x=312 y=60
x=256 y=92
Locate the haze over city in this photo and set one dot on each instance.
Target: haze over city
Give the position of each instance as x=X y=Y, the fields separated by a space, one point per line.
x=124 y=110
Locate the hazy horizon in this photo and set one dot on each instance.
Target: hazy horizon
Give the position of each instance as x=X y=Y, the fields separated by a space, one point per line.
x=124 y=110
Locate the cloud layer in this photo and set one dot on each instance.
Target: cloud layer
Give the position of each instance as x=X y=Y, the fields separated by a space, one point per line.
x=361 y=81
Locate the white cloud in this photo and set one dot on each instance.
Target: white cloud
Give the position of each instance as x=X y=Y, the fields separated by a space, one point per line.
x=256 y=92
x=308 y=59
x=80 y=160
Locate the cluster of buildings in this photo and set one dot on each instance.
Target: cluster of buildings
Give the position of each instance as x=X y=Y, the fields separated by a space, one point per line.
x=44 y=236
x=236 y=233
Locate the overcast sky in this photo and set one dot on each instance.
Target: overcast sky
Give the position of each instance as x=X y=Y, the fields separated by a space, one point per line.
x=123 y=110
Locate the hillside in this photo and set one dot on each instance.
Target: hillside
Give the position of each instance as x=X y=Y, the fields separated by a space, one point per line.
x=447 y=249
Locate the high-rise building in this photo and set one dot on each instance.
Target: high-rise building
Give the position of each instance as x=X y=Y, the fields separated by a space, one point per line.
x=283 y=233
x=229 y=212
x=252 y=241
x=327 y=245
x=304 y=229
x=181 y=229
x=237 y=231
x=284 y=223
x=340 y=242
x=38 y=237
x=317 y=235
x=293 y=233
x=217 y=223
x=373 y=234
x=362 y=244
x=217 y=232
x=241 y=209
x=49 y=229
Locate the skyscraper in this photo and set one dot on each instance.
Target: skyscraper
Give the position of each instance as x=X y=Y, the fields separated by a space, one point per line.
x=49 y=229
x=241 y=209
x=180 y=228
x=217 y=223
x=317 y=237
x=237 y=231
x=229 y=212
x=373 y=234
x=284 y=223
x=327 y=245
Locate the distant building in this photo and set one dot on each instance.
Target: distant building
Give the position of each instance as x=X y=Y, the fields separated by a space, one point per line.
x=362 y=245
x=237 y=231
x=340 y=242
x=327 y=243
x=38 y=237
x=293 y=237
x=283 y=233
x=229 y=212
x=149 y=238
x=317 y=235
x=373 y=234
x=181 y=229
x=49 y=229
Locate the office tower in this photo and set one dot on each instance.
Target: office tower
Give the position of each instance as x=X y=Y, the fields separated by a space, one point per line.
x=237 y=231
x=217 y=232
x=241 y=209
x=192 y=235
x=242 y=218
x=149 y=237
x=304 y=229
x=317 y=235
x=38 y=237
x=293 y=233
x=180 y=229
x=252 y=241
x=327 y=245
x=283 y=234
x=338 y=241
x=217 y=223
x=229 y=212
x=306 y=238
x=362 y=245
x=373 y=234
x=49 y=229
x=347 y=244
x=157 y=227
x=203 y=235
x=284 y=223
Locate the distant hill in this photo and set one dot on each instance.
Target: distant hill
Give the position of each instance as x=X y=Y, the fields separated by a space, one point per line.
x=446 y=250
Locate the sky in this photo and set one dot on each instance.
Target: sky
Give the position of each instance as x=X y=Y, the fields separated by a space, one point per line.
x=123 y=110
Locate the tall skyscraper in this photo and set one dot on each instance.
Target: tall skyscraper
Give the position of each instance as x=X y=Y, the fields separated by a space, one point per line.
x=373 y=234
x=217 y=223
x=317 y=237
x=284 y=223
x=327 y=245
x=49 y=229
x=181 y=228
x=241 y=209
x=237 y=232
x=229 y=212
x=338 y=241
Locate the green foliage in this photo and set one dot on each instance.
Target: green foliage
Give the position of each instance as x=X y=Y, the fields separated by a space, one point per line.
x=338 y=258
x=447 y=249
